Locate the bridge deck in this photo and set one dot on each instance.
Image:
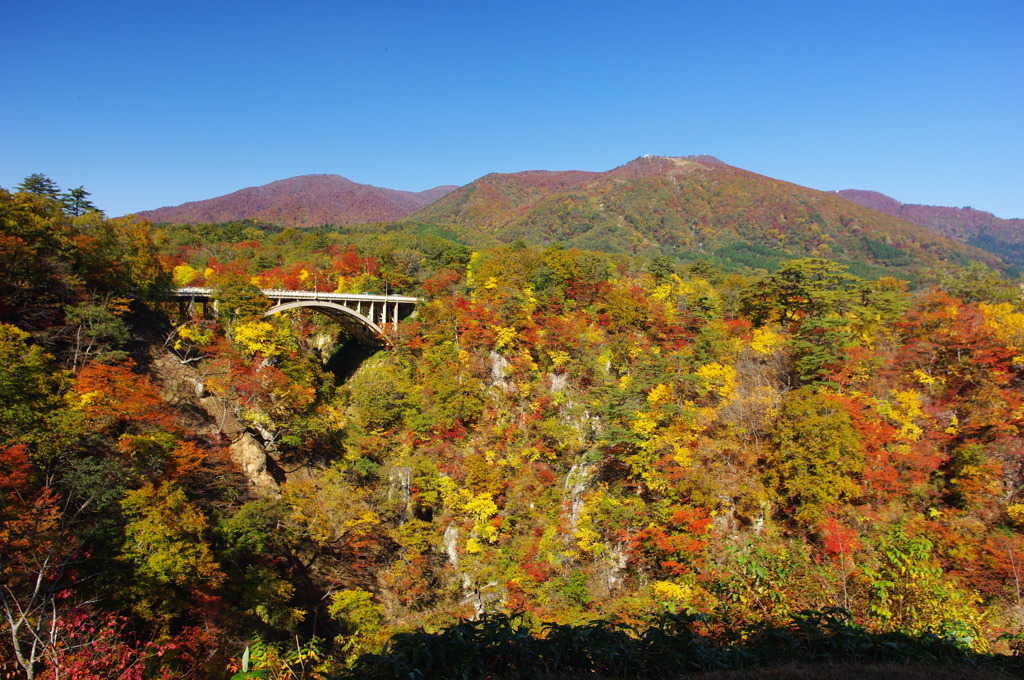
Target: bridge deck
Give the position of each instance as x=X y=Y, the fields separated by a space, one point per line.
x=366 y=316
x=276 y=293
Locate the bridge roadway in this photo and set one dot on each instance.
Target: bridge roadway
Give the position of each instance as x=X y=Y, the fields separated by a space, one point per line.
x=365 y=316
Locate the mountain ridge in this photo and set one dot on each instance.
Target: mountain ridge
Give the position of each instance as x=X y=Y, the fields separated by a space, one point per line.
x=303 y=201
x=686 y=207
x=1004 y=237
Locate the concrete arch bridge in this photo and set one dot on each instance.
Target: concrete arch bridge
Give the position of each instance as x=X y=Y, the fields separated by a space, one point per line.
x=368 y=317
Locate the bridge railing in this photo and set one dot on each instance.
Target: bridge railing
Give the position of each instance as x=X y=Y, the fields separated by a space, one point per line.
x=278 y=293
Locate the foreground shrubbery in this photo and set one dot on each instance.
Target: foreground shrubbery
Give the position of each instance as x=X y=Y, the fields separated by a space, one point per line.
x=506 y=647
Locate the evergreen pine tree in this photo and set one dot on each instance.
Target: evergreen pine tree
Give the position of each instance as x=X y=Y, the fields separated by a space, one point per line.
x=76 y=203
x=38 y=183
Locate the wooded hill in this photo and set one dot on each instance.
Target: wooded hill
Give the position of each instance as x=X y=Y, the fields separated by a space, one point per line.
x=305 y=201
x=577 y=437
x=686 y=207
x=984 y=230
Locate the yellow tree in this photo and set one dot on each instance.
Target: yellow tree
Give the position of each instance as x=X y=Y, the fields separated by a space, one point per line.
x=817 y=455
x=166 y=541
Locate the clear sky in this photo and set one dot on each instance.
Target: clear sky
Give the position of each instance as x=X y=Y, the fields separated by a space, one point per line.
x=149 y=104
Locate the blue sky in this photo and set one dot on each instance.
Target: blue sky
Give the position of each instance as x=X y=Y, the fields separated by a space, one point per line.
x=153 y=104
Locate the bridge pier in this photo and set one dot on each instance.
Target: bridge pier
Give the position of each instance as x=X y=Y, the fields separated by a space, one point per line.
x=187 y=308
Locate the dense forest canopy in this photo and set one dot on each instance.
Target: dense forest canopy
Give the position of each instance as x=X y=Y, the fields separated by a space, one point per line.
x=564 y=434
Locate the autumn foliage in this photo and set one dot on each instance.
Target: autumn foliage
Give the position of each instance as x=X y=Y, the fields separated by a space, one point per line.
x=570 y=435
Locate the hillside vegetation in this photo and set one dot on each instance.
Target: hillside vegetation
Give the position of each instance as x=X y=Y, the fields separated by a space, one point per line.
x=568 y=446
x=1004 y=238
x=306 y=201
x=686 y=208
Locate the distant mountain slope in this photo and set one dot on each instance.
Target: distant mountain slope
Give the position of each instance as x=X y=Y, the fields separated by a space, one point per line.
x=688 y=206
x=304 y=201
x=494 y=196
x=967 y=225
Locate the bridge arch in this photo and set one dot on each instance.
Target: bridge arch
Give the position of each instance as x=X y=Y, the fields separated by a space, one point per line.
x=359 y=325
x=364 y=315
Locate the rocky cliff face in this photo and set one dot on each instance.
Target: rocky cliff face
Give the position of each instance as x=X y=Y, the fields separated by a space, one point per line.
x=183 y=387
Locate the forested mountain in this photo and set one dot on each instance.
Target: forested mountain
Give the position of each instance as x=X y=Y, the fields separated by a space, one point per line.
x=685 y=208
x=305 y=201
x=671 y=466
x=1004 y=238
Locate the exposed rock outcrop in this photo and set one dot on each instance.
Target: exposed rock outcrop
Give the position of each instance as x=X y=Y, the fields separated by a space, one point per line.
x=184 y=387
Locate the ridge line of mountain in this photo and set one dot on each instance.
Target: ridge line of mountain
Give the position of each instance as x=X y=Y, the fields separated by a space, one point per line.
x=671 y=204
x=302 y=201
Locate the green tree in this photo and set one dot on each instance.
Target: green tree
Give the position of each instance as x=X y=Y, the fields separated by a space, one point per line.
x=265 y=261
x=661 y=268
x=818 y=454
x=361 y=618
x=908 y=591
x=165 y=538
x=29 y=386
x=381 y=395
x=76 y=203
x=818 y=346
x=450 y=394
x=820 y=304
x=809 y=287
x=98 y=331
x=41 y=185
x=973 y=283
x=240 y=300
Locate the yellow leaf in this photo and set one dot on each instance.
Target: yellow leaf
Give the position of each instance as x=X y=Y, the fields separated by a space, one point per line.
x=765 y=341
